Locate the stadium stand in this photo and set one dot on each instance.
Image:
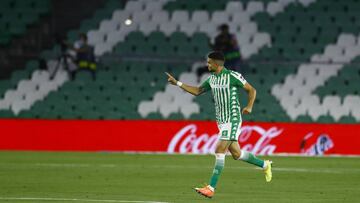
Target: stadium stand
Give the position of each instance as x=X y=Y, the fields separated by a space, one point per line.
x=302 y=56
x=17 y=15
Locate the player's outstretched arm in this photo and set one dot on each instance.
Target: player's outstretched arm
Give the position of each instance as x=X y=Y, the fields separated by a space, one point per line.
x=251 y=98
x=191 y=89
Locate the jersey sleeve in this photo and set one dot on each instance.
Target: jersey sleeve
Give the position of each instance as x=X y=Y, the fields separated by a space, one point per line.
x=237 y=79
x=206 y=85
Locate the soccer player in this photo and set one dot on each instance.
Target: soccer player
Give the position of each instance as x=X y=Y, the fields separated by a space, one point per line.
x=224 y=85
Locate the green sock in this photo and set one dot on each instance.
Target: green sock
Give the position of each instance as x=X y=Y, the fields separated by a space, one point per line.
x=251 y=158
x=219 y=165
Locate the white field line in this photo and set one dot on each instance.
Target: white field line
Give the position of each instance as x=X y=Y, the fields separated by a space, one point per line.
x=279 y=169
x=73 y=199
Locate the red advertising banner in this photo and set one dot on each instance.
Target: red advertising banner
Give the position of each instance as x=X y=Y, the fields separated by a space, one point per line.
x=197 y=137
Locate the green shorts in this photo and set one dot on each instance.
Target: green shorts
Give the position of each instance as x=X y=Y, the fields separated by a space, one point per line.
x=229 y=131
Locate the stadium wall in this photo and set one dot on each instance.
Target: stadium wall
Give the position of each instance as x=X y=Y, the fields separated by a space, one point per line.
x=194 y=137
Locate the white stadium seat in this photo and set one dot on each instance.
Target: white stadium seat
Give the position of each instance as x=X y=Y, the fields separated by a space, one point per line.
x=102 y=48
x=294 y=112
x=234 y=7
x=168 y=28
x=240 y=18
x=331 y=101
x=306 y=2
x=25 y=86
x=95 y=37
x=189 y=78
x=172 y=90
x=189 y=28
x=40 y=76
x=60 y=78
x=168 y=108
x=346 y=40
x=274 y=7
x=200 y=17
x=358 y=41
x=254 y=7
x=179 y=17
x=141 y=17
x=220 y=17
x=316 y=111
x=125 y=29
x=247 y=50
x=153 y=6
x=333 y=50
x=286 y=2
x=209 y=28
x=250 y=28
x=148 y=27
x=243 y=38
x=234 y=27
x=320 y=58
x=107 y=26
x=310 y=100
x=356 y=113
x=352 y=51
x=183 y=98
x=134 y=6
x=115 y=37
x=160 y=17
x=261 y=39
x=147 y=107
x=162 y=97
x=307 y=71
x=20 y=105
x=120 y=15
x=189 y=109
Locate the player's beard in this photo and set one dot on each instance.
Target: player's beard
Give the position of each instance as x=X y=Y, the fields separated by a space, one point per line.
x=211 y=70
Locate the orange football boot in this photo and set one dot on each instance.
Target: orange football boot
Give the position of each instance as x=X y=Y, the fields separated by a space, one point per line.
x=205 y=191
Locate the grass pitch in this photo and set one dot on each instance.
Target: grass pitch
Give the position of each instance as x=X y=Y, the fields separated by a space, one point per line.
x=112 y=177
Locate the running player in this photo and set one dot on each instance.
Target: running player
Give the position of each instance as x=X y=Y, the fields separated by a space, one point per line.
x=224 y=85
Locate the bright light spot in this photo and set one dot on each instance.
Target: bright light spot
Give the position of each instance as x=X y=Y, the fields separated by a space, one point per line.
x=128 y=22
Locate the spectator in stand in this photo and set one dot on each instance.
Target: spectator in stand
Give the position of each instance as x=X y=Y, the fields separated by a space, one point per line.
x=226 y=43
x=85 y=58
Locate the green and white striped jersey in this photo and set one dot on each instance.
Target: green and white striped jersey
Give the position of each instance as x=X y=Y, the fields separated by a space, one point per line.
x=225 y=90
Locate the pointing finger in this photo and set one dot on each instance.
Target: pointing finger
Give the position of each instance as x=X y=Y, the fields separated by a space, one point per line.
x=168 y=74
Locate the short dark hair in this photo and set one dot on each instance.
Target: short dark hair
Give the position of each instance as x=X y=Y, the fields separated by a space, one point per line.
x=216 y=55
x=224 y=27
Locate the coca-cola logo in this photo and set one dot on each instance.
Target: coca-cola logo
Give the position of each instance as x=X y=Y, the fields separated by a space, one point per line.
x=261 y=146
x=186 y=140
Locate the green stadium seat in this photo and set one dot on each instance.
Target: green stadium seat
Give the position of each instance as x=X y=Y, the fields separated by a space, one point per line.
x=262 y=17
x=165 y=50
x=325 y=119
x=200 y=116
x=157 y=38
x=185 y=50
x=136 y=37
x=347 y=119
x=304 y=119
x=154 y=116
x=200 y=39
x=176 y=116
x=6 y=114
x=123 y=48
x=5 y=85
x=178 y=38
